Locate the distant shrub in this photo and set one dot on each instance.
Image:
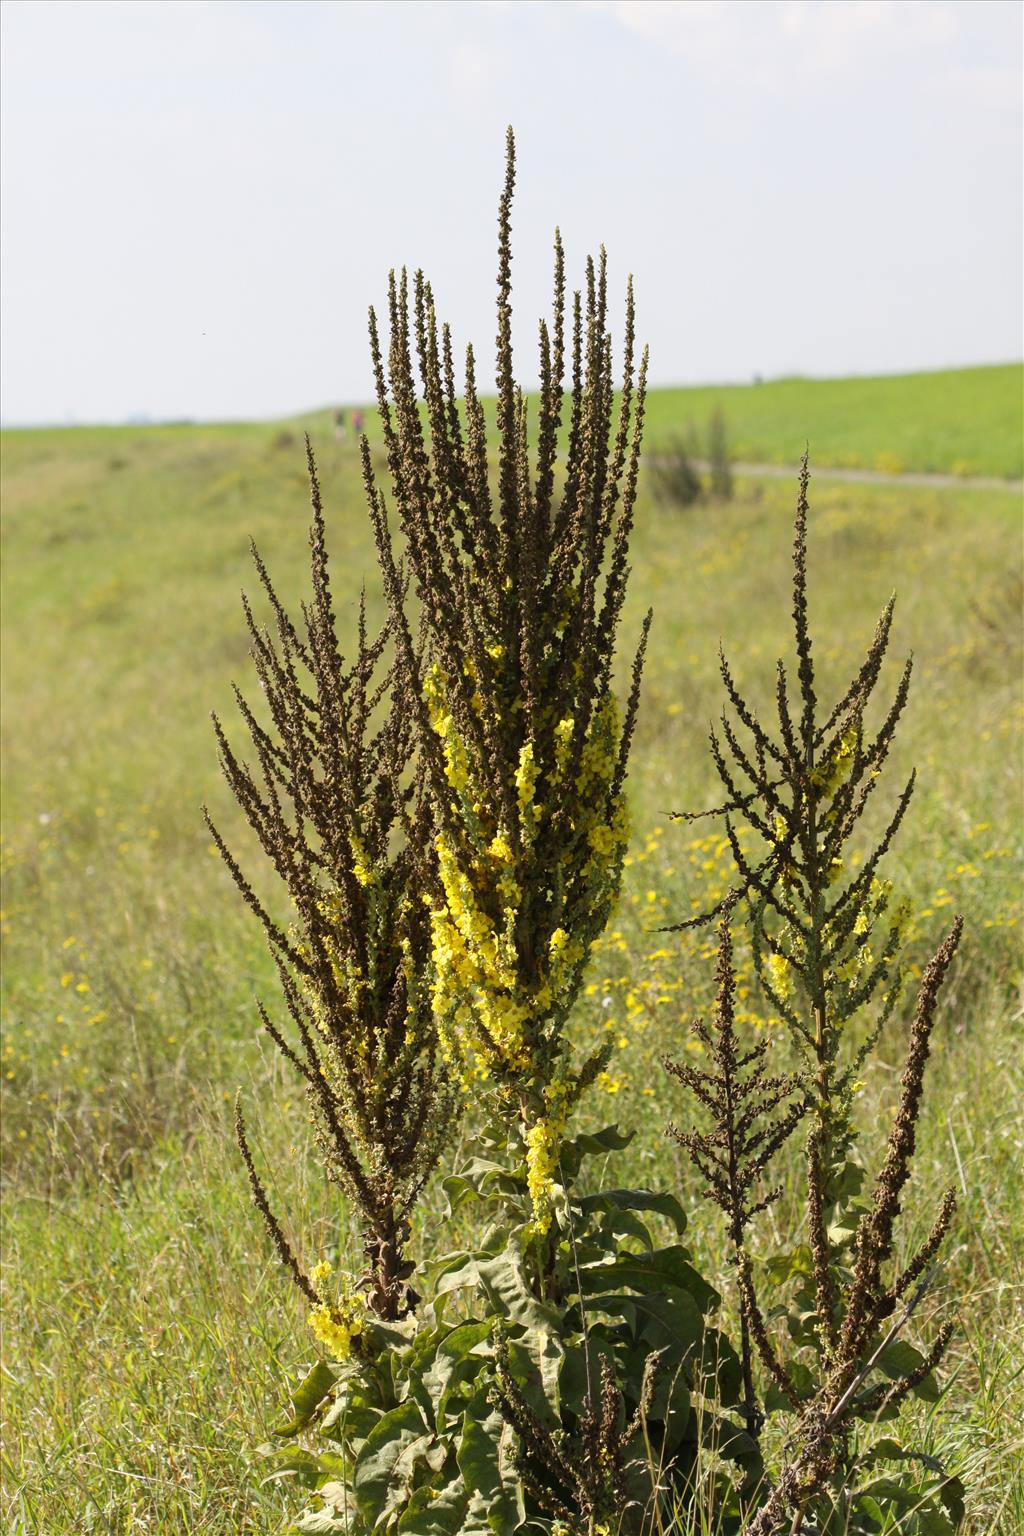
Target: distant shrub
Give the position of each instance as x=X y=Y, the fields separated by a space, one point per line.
x=672 y=474
x=720 y=482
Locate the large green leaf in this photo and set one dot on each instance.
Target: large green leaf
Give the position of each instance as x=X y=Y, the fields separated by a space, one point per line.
x=660 y=1204
x=433 y=1513
x=593 y=1144
x=503 y=1280
x=906 y=1497
x=533 y=1364
x=776 y=1401
x=379 y=1470
x=900 y=1359
x=293 y=1463
x=328 y=1513
x=650 y=1272
x=485 y=1466
x=306 y=1399
x=581 y=1370
x=797 y=1264
x=458 y=1359
x=480 y=1178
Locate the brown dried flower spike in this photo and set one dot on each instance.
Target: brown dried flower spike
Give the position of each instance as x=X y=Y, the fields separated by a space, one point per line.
x=339 y=810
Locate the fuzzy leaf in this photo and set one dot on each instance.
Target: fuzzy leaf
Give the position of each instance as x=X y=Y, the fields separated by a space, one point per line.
x=574 y=1377
x=479 y=1177
x=458 y=1359
x=775 y=1401
x=378 y=1469
x=294 y=1463
x=665 y=1267
x=482 y=1462
x=504 y=1282
x=440 y=1515
x=327 y=1514
x=595 y=1144
x=890 y=1494
x=667 y=1320
x=661 y=1204
x=787 y=1266
x=307 y=1398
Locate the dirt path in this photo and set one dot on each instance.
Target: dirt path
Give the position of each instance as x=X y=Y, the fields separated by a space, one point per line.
x=871 y=476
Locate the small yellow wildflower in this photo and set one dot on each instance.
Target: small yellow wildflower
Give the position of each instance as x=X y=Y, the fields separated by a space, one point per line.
x=779 y=975
x=338 y=1324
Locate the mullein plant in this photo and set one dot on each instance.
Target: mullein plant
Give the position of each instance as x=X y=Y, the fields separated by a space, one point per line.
x=546 y=1380
x=337 y=804
x=521 y=585
x=827 y=937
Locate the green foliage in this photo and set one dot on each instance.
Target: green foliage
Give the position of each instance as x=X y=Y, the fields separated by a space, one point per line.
x=502 y=1411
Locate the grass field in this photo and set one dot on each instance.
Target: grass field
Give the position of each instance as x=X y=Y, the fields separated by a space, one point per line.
x=966 y=421
x=148 y=1336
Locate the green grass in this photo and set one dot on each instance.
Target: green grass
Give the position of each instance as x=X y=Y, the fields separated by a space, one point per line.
x=966 y=421
x=148 y=1336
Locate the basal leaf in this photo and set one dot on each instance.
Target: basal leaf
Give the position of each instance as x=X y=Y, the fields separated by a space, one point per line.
x=378 y=1468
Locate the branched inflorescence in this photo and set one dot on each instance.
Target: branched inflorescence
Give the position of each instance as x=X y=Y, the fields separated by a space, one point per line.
x=751 y=1117
x=520 y=586
x=827 y=937
x=580 y=1480
x=338 y=807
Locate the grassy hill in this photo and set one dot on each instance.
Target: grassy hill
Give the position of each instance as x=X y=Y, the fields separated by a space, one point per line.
x=966 y=421
x=963 y=421
x=148 y=1334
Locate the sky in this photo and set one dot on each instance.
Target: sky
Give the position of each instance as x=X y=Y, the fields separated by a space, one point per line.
x=200 y=198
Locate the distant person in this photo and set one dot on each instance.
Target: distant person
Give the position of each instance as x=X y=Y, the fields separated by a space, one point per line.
x=357 y=424
x=339 y=423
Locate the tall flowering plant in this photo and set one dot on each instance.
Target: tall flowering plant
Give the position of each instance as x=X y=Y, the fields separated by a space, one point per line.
x=337 y=806
x=520 y=585
x=828 y=948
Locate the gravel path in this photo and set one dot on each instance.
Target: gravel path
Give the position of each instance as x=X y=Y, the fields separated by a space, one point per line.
x=870 y=476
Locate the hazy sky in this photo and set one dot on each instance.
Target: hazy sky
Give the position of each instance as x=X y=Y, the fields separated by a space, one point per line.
x=201 y=197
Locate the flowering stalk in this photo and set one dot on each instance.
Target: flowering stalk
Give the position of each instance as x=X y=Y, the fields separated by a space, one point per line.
x=338 y=807
x=523 y=746
x=827 y=938
x=743 y=1102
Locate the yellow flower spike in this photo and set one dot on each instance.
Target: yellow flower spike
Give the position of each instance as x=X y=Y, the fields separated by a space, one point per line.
x=781 y=980
x=320 y=1274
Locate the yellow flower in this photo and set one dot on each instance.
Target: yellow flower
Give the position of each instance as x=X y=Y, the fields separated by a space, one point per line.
x=337 y=1325
x=779 y=975
x=361 y=867
x=320 y=1273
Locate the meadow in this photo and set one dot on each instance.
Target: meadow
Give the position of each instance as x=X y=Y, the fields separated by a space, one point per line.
x=149 y=1336
x=963 y=421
